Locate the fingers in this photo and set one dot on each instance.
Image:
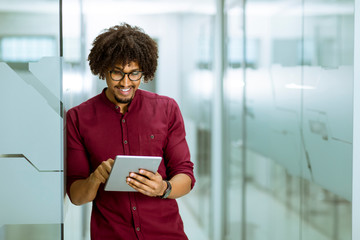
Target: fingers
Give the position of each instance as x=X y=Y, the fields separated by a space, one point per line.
x=146 y=182
x=102 y=172
x=111 y=162
x=140 y=187
x=148 y=174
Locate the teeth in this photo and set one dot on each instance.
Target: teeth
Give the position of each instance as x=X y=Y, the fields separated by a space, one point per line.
x=125 y=89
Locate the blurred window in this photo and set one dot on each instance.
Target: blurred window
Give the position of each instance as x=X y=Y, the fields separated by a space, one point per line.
x=26 y=48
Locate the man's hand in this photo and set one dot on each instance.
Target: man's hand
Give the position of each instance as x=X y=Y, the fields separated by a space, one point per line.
x=102 y=172
x=148 y=183
x=85 y=190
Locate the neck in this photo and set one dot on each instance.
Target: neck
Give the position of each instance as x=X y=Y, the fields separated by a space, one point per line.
x=123 y=106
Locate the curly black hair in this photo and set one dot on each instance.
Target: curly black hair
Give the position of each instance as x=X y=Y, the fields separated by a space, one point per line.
x=122 y=44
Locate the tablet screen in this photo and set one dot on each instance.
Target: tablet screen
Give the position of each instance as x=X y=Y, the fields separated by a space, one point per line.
x=123 y=165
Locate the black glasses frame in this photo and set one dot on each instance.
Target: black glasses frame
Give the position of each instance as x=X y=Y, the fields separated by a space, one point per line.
x=124 y=74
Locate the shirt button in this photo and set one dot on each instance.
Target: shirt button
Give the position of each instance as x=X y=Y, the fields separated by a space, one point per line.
x=138 y=229
x=134 y=208
x=123 y=120
x=152 y=137
x=125 y=141
x=117 y=107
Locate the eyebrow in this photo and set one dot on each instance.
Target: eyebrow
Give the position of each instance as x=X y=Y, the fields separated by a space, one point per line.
x=132 y=70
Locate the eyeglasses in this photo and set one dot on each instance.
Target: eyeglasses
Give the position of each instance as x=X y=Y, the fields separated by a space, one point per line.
x=117 y=75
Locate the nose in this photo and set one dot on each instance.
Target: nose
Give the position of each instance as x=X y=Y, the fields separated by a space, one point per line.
x=125 y=81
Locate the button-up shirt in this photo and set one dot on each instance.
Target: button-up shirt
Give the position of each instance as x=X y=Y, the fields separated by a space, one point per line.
x=152 y=126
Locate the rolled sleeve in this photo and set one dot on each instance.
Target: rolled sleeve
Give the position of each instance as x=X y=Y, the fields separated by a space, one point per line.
x=77 y=164
x=177 y=153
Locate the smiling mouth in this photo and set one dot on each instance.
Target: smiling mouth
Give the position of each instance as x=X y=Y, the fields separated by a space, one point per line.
x=124 y=92
x=125 y=89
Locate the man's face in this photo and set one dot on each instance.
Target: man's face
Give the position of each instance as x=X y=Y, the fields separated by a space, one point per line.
x=122 y=92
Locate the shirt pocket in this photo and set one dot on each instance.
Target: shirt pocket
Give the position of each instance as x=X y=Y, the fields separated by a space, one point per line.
x=152 y=144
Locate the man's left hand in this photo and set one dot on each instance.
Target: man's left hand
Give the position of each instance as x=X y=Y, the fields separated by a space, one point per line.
x=148 y=183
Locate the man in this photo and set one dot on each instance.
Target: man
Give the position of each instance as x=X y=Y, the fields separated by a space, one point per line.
x=125 y=120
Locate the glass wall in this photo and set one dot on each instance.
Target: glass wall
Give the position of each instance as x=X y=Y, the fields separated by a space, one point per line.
x=285 y=138
x=196 y=96
x=280 y=74
x=298 y=119
x=286 y=126
x=233 y=123
x=184 y=33
x=277 y=163
x=31 y=142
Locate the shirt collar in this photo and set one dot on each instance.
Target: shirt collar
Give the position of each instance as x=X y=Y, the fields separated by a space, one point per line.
x=113 y=106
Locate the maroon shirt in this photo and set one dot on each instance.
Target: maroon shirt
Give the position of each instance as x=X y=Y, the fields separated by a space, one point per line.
x=152 y=126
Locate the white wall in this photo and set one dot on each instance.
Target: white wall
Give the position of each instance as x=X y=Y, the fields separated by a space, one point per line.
x=165 y=29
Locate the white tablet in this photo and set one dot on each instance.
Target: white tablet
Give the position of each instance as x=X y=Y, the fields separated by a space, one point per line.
x=123 y=165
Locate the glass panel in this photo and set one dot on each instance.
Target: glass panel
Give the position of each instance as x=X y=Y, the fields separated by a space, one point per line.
x=299 y=119
x=327 y=116
x=233 y=120
x=273 y=56
x=31 y=146
x=77 y=87
x=197 y=85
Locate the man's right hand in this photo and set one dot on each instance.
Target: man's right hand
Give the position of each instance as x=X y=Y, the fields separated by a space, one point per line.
x=85 y=190
x=102 y=172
